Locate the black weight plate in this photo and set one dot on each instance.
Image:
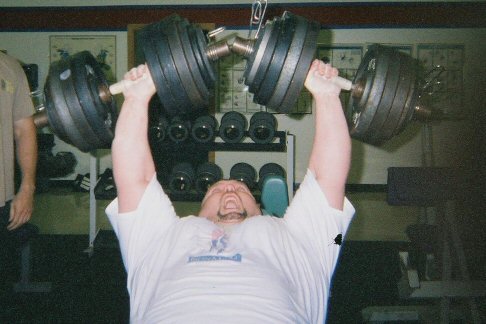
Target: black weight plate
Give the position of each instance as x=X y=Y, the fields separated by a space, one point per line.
x=199 y=46
x=151 y=36
x=392 y=78
x=60 y=80
x=399 y=102
x=169 y=69
x=100 y=116
x=286 y=34
x=366 y=81
x=375 y=63
x=87 y=139
x=263 y=64
x=192 y=64
x=196 y=100
x=302 y=68
x=54 y=100
x=71 y=86
x=191 y=31
x=412 y=98
x=290 y=64
x=258 y=50
x=109 y=112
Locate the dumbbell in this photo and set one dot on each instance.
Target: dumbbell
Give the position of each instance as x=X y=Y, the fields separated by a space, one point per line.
x=263 y=126
x=181 y=179
x=207 y=174
x=79 y=104
x=384 y=93
x=179 y=129
x=204 y=129
x=270 y=169
x=245 y=173
x=233 y=127
x=158 y=131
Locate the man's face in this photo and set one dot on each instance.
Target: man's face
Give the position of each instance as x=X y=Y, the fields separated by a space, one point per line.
x=229 y=202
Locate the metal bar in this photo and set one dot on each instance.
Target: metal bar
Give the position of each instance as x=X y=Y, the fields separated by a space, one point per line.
x=290 y=166
x=445 y=302
x=93 y=176
x=454 y=288
x=25 y=266
x=461 y=256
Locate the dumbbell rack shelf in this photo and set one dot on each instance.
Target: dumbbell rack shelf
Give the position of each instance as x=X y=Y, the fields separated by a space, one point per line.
x=280 y=146
x=283 y=142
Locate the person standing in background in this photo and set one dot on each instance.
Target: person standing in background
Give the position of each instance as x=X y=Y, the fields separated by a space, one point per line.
x=18 y=141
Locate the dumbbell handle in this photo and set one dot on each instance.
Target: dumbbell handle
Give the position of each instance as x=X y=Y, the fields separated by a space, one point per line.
x=121 y=85
x=343 y=83
x=118 y=87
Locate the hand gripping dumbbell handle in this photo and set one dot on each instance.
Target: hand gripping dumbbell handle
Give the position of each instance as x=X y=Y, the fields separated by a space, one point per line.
x=118 y=87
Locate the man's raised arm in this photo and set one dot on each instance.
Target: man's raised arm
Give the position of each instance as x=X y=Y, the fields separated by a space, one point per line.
x=133 y=165
x=331 y=151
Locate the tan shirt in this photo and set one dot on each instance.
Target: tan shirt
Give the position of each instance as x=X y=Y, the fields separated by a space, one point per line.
x=15 y=104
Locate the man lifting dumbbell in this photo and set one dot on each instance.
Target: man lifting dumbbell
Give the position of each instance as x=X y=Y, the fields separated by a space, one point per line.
x=229 y=263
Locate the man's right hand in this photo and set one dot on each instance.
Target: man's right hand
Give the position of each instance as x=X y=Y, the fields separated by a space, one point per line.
x=142 y=86
x=318 y=80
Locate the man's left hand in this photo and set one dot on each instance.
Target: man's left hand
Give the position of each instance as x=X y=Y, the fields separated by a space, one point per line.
x=21 y=209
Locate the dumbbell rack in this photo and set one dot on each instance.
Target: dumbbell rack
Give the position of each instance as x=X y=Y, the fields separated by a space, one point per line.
x=284 y=143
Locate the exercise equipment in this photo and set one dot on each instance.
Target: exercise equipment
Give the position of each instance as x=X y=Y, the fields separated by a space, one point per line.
x=278 y=60
x=158 y=131
x=204 y=129
x=263 y=126
x=80 y=107
x=270 y=170
x=439 y=269
x=233 y=127
x=245 y=173
x=181 y=179
x=384 y=95
x=207 y=174
x=179 y=129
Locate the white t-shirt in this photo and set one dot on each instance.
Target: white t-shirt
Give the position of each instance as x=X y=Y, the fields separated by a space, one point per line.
x=266 y=270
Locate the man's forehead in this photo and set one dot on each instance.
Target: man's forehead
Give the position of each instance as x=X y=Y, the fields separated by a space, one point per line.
x=222 y=183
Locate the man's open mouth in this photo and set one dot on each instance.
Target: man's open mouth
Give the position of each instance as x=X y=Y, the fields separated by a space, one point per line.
x=233 y=216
